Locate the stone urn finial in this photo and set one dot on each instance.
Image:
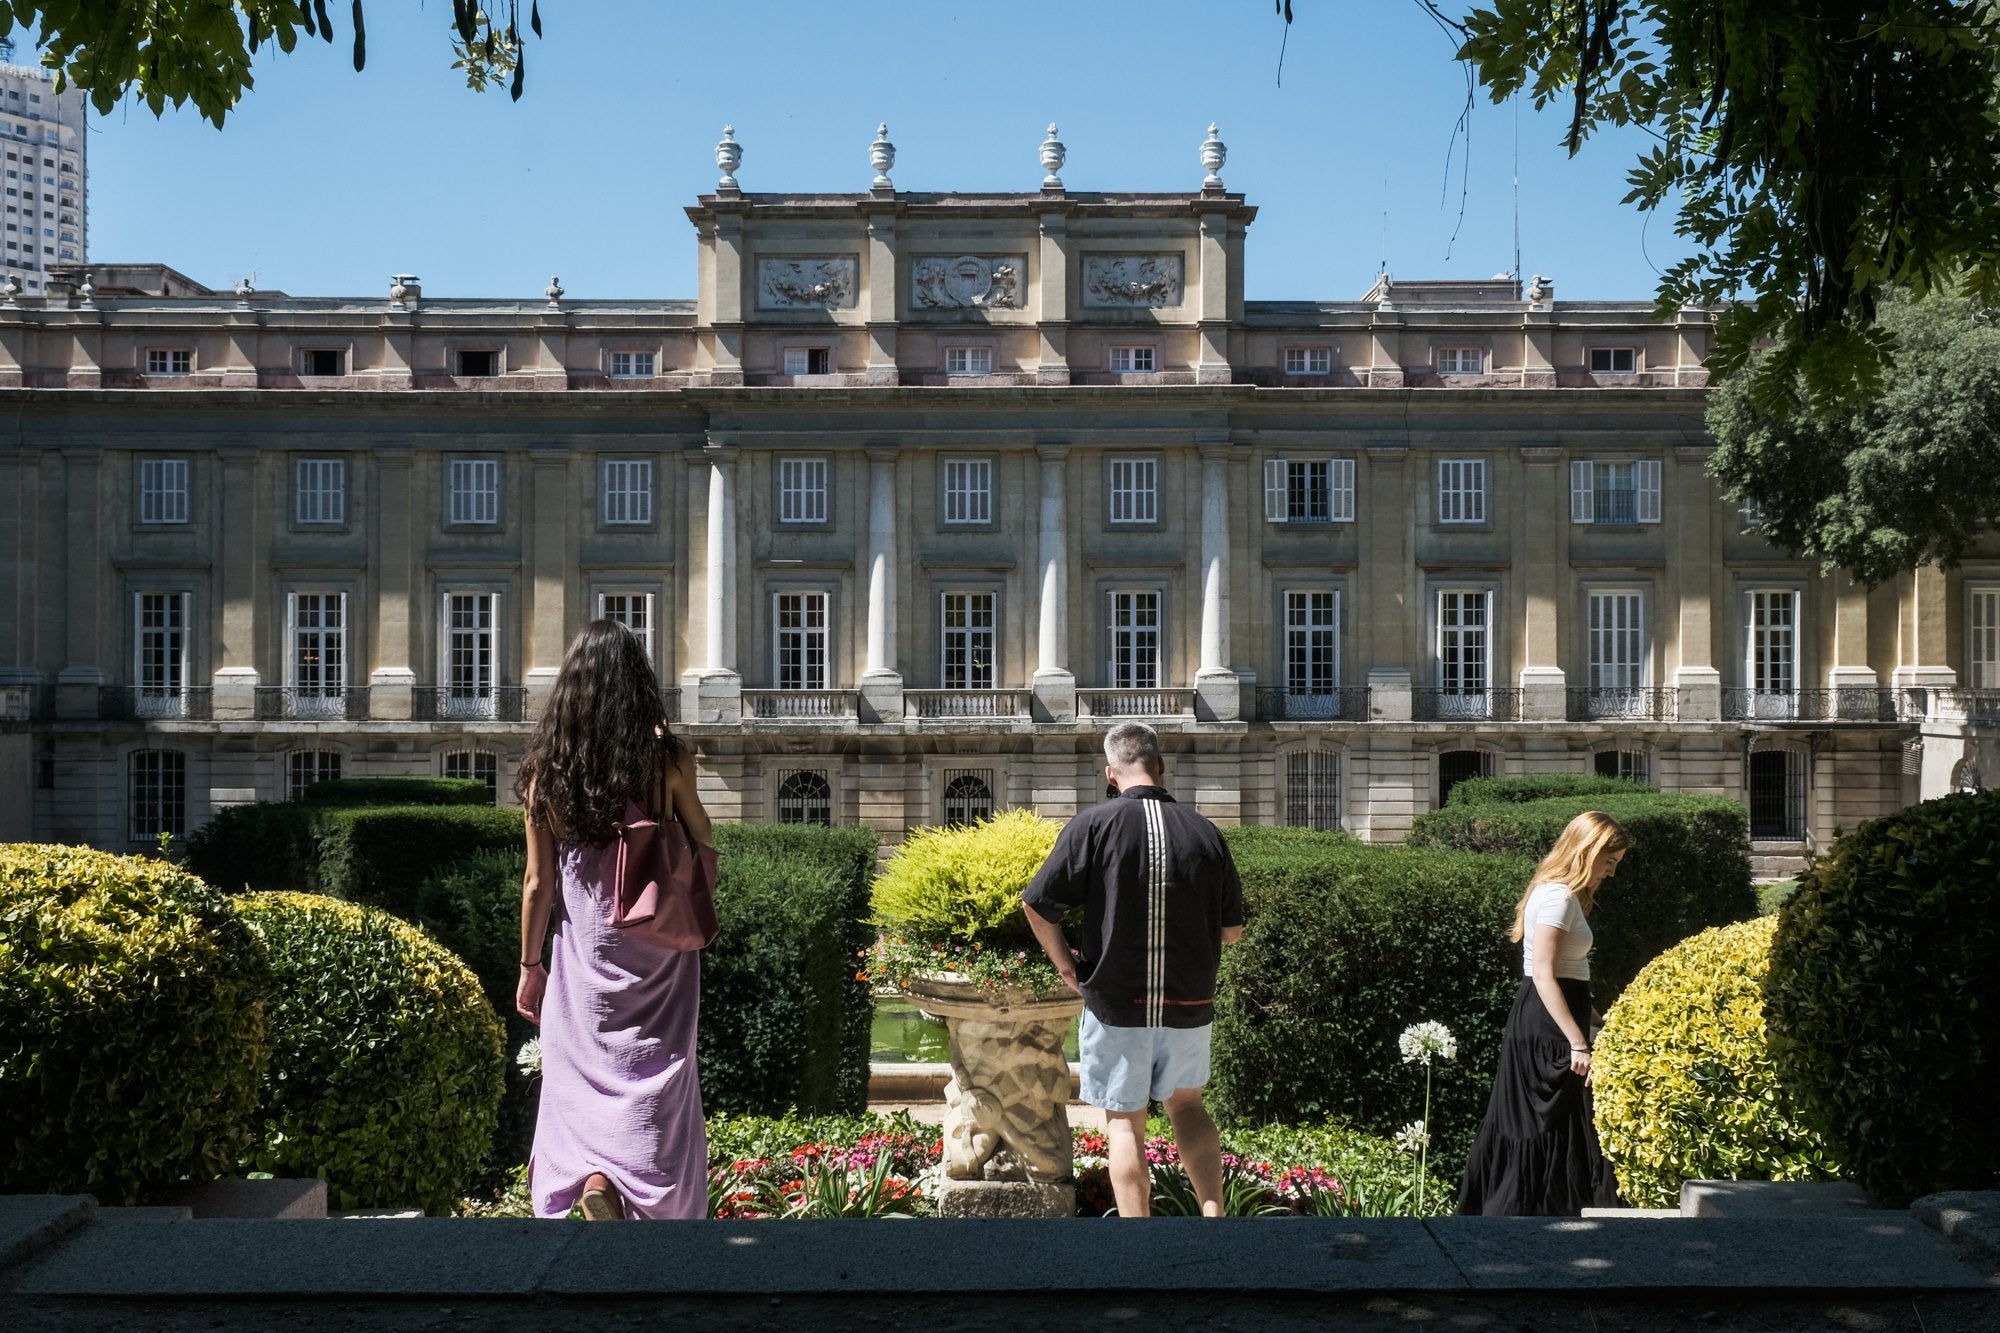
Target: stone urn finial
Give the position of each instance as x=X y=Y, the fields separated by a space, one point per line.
x=728 y=157
x=1053 y=156
x=554 y=292
x=882 y=156
x=1213 y=154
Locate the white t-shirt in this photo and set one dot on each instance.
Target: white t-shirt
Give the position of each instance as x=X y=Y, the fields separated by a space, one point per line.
x=1552 y=904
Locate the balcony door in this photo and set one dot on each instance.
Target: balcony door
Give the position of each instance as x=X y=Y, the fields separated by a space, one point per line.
x=1463 y=644
x=1617 y=671
x=801 y=640
x=966 y=641
x=1312 y=648
x=1771 y=668
x=1135 y=641
x=471 y=672
x=160 y=671
x=318 y=665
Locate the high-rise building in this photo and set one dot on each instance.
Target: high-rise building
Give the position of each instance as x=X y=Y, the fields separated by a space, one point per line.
x=44 y=204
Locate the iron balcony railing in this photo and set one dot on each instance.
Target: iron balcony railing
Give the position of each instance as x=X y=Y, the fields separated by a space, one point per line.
x=1639 y=703
x=127 y=703
x=443 y=703
x=943 y=705
x=25 y=703
x=1615 y=506
x=1498 y=704
x=801 y=705
x=1847 y=703
x=1135 y=703
x=276 y=703
x=1343 y=704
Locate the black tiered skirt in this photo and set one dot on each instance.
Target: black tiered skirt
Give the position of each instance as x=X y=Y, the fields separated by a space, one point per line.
x=1537 y=1154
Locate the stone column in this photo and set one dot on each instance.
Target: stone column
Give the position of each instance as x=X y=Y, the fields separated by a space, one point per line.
x=1690 y=514
x=1055 y=683
x=238 y=584
x=713 y=692
x=1543 y=697
x=391 y=682
x=1850 y=669
x=1218 y=693
x=881 y=682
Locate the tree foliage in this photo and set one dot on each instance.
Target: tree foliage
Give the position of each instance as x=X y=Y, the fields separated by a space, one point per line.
x=1881 y=484
x=200 y=51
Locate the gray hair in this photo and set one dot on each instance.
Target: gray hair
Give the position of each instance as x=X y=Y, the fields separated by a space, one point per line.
x=1133 y=745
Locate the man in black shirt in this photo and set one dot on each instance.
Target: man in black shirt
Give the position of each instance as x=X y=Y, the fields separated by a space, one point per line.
x=1160 y=898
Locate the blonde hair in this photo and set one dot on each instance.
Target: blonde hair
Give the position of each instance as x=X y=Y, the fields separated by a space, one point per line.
x=1588 y=836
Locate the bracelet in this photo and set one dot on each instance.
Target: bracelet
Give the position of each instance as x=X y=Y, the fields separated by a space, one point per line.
x=1579 y=1050
x=536 y=963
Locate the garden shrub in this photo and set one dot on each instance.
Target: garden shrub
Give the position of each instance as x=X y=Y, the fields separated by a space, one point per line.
x=386 y=1061
x=1346 y=945
x=380 y=855
x=1884 y=997
x=398 y=791
x=1689 y=867
x=1543 y=787
x=963 y=885
x=132 y=1024
x=269 y=845
x=1686 y=1088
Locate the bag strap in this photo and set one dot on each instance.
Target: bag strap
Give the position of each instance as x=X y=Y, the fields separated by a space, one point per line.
x=665 y=803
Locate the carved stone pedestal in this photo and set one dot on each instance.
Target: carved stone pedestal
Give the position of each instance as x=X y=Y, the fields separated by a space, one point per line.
x=1007 y=1149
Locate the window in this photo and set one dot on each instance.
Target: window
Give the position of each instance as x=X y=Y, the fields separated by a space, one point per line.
x=1312 y=790
x=968 y=490
x=305 y=767
x=1617 y=653
x=1135 y=641
x=480 y=363
x=968 y=796
x=1312 y=644
x=471 y=672
x=321 y=494
x=966 y=641
x=628 y=490
x=802 y=490
x=1778 y=795
x=633 y=610
x=801 y=641
x=1628 y=764
x=318 y=663
x=1461 y=360
x=473 y=490
x=1614 y=493
x=159 y=794
x=1309 y=490
x=1771 y=668
x=1135 y=490
x=1749 y=516
x=1133 y=359
x=160 y=663
x=808 y=360
x=632 y=365
x=1308 y=360
x=478 y=766
x=1982 y=646
x=163 y=490
x=1461 y=490
x=169 y=361
x=805 y=797
x=1455 y=766
x=321 y=361
x=1461 y=646
x=1614 y=360
x=968 y=360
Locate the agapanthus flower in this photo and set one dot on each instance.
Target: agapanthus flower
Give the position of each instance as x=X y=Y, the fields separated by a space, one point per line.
x=529 y=1058
x=1413 y=1137
x=1422 y=1042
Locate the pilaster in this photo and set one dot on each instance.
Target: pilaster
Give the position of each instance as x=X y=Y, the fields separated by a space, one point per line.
x=1690 y=582
x=881 y=310
x=1052 y=326
x=1054 y=682
x=239 y=585
x=1541 y=543
x=550 y=558
x=393 y=679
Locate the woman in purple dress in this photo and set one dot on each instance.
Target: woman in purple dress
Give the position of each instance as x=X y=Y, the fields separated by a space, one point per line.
x=620 y=1128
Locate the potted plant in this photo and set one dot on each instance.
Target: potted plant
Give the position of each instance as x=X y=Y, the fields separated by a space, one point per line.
x=948 y=904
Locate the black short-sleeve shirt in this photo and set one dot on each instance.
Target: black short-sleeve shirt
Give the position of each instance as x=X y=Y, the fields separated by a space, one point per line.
x=1157 y=888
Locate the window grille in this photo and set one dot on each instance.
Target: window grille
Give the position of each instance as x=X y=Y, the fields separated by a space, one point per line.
x=1312 y=790
x=1778 y=795
x=1632 y=765
x=158 y=794
x=1614 y=493
x=305 y=767
x=968 y=796
x=479 y=765
x=1455 y=766
x=805 y=797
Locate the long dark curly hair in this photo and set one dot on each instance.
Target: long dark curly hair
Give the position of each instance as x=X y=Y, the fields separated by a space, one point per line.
x=602 y=741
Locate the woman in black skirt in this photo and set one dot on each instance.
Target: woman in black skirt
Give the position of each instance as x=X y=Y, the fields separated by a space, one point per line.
x=1536 y=1154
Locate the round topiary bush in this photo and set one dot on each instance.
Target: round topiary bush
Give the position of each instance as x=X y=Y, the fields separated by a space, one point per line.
x=1885 y=997
x=1686 y=1089
x=386 y=1061
x=963 y=885
x=132 y=1024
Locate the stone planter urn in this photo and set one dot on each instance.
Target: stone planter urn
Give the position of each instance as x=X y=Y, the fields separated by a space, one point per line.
x=1007 y=1150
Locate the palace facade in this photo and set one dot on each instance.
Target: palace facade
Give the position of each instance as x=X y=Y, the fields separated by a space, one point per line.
x=916 y=496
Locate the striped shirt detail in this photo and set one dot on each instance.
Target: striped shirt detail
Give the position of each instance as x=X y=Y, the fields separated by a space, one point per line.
x=1156 y=914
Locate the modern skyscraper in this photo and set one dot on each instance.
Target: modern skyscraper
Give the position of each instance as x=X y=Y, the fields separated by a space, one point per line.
x=45 y=181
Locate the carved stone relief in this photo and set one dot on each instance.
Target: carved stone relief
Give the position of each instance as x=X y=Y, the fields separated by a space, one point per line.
x=990 y=282
x=1132 y=280
x=805 y=284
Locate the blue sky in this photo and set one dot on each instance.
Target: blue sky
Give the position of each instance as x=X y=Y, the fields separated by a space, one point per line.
x=324 y=181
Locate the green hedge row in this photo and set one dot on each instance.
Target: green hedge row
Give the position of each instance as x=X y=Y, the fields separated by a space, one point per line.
x=1543 y=787
x=399 y=791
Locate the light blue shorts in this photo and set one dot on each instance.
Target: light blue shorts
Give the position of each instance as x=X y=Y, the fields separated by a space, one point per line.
x=1124 y=1068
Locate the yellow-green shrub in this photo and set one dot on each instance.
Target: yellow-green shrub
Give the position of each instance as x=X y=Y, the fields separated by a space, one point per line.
x=1686 y=1088
x=386 y=1060
x=963 y=885
x=132 y=1024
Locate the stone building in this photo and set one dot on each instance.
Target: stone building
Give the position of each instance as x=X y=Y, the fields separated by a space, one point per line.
x=47 y=186
x=916 y=496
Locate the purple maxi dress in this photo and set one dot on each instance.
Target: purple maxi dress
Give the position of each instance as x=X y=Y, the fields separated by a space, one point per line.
x=620 y=1091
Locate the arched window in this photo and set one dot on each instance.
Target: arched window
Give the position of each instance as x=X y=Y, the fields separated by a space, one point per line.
x=1312 y=789
x=1778 y=795
x=968 y=796
x=1630 y=764
x=804 y=797
x=475 y=764
x=305 y=767
x=158 y=794
x=1455 y=766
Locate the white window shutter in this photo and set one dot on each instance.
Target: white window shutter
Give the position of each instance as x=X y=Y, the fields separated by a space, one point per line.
x=1276 y=497
x=1582 y=499
x=1340 y=485
x=1649 y=490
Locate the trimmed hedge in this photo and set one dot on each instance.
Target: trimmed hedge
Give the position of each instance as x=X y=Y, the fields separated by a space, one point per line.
x=398 y=791
x=386 y=1063
x=1884 y=997
x=1543 y=787
x=269 y=845
x=132 y=1025
x=1689 y=868
x=1346 y=945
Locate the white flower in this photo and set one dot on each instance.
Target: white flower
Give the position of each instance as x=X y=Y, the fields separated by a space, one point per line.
x=1413 y=1137
x=529 y=1057
x=1423 y=1041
